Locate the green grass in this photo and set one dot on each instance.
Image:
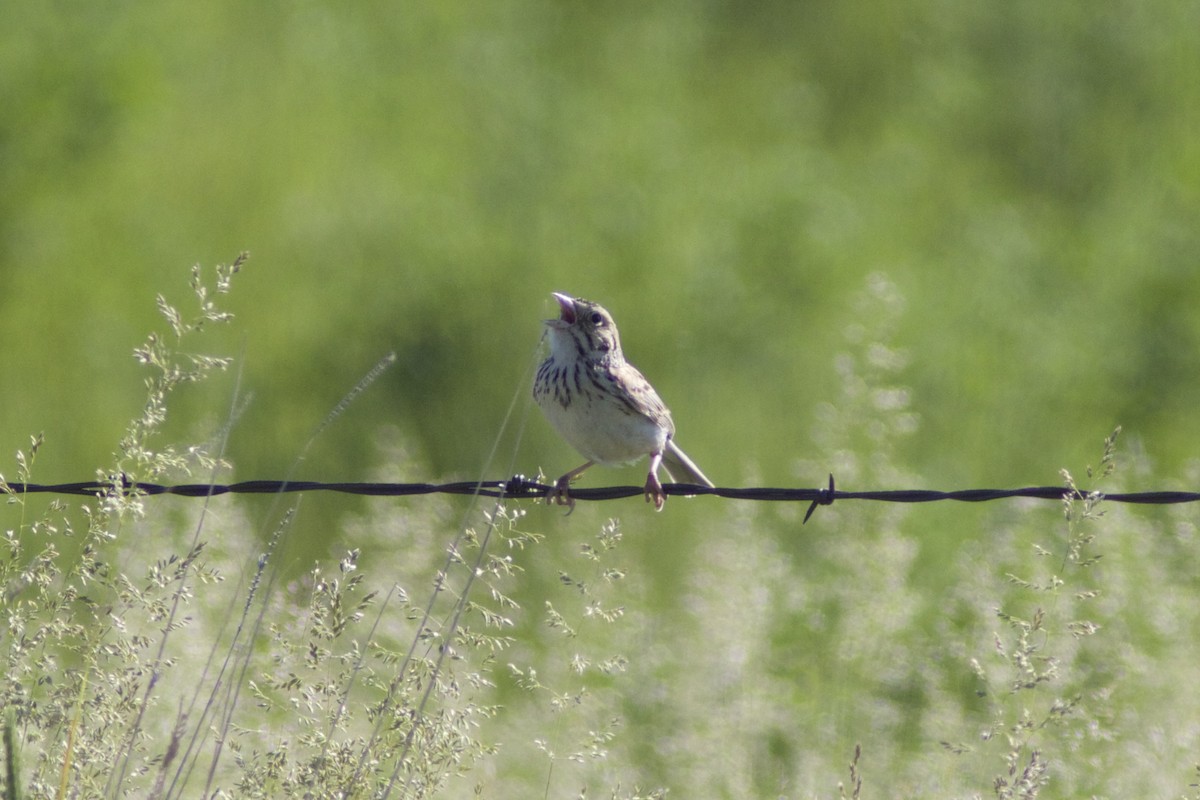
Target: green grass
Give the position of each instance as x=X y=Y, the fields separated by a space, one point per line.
x=159 y=649
x=932 y=245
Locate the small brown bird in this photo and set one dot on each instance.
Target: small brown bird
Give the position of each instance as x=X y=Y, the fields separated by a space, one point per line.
x=602 y=405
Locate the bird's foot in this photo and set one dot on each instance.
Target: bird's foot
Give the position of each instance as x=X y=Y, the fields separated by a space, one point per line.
x=561 y=494
x=654 y=492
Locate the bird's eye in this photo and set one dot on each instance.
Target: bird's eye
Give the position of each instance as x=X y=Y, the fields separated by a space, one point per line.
x=597 y=318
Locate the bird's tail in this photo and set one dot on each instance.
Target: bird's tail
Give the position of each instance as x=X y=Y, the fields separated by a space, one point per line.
x=676 y=462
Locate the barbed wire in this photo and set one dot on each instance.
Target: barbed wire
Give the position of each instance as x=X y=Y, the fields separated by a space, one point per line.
x=519 y=487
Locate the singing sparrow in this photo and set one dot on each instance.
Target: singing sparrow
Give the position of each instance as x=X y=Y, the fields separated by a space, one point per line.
x=602 y=405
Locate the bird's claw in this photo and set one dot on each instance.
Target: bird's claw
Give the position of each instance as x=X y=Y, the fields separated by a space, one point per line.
x=561 y=495
x=654 y=492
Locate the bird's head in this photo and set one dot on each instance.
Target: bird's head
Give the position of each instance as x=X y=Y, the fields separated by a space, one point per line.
x=583 y=330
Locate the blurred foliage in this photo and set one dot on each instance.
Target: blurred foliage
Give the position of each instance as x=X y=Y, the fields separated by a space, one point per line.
x=419 y=177
x=724 y=178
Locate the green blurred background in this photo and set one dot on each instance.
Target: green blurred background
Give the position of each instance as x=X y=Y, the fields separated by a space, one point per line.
x=723 y=176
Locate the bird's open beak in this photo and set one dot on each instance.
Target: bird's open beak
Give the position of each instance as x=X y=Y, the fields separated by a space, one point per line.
x=567 y=305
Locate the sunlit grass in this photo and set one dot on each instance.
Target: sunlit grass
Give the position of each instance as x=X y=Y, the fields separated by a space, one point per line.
x=171 y=651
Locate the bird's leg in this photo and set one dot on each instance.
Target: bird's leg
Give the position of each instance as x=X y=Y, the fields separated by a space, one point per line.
x=654 y=491
x=561 y=493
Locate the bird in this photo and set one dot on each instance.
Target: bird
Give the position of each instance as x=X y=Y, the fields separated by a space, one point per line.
x=602 y=405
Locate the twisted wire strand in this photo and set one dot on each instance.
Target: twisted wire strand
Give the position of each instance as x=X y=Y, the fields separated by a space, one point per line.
x=519 y=487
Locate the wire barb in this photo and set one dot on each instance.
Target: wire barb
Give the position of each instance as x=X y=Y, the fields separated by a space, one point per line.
x=826 y=499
